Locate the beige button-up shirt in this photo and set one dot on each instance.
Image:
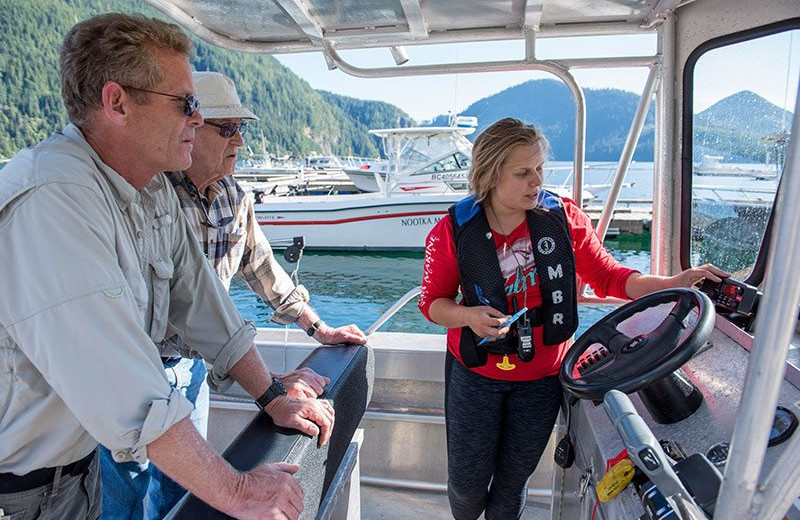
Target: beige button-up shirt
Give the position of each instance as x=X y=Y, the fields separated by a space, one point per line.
x=94 y=273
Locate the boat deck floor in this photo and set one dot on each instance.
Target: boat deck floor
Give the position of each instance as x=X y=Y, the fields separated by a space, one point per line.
x=385 y=503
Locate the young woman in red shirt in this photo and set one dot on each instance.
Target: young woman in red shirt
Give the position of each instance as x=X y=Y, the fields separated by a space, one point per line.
x=511 y=245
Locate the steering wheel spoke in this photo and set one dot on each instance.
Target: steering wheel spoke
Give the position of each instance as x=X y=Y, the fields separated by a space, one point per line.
x=617 y=342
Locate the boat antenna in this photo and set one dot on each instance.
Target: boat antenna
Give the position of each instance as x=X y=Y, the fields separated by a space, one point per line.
x=455 y=93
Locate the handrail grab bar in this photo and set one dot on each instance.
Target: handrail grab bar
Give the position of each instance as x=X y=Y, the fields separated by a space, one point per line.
x=391 y=311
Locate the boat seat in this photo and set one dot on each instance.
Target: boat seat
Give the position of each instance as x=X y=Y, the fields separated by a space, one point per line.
x=351 y=371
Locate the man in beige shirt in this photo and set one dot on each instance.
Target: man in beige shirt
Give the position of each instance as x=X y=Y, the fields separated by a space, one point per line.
x=221 y=217
x=99 y=266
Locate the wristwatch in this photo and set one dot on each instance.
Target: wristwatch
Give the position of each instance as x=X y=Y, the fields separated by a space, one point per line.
x=276 y=389
x=313 y=328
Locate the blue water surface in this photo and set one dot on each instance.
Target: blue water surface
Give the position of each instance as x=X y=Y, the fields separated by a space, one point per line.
x=359 y=287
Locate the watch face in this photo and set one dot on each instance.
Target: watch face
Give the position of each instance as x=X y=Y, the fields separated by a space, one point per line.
x=783 y=426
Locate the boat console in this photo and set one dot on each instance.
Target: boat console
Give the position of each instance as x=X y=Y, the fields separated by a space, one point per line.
x=675 y=428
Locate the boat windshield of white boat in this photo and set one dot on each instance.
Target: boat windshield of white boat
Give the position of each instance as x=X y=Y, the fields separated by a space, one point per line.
x=322 y=162
x=411 y=149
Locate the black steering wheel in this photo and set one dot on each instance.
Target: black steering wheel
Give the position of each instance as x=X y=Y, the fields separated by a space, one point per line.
x=604 y=358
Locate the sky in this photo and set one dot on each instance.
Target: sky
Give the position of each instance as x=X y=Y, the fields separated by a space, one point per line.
x=424 y=97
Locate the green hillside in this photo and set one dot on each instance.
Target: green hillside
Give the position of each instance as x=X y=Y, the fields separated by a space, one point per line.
x=366 y=115
x=295 y=118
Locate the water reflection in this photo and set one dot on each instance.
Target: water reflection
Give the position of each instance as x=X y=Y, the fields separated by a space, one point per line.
x=359 y=287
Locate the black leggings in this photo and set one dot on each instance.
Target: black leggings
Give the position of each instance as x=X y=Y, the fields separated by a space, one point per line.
x=496 y=433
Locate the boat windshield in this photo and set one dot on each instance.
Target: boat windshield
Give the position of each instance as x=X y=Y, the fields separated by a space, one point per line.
x=737 y=157
x=411 y=151
x=452 y=162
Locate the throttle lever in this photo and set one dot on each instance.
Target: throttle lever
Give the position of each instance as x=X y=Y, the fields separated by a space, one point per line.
x=647 y=454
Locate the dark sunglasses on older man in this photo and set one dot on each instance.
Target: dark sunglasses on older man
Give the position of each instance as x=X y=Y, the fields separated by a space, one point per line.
x=228 y=130
x=190 y=102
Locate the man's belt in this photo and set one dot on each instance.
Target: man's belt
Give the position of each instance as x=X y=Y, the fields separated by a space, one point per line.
x=11 y=483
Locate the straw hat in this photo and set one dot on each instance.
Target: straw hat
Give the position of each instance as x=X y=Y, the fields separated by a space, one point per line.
x=218 y=98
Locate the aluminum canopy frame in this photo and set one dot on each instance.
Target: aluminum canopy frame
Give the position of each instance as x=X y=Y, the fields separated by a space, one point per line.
x=285 y=26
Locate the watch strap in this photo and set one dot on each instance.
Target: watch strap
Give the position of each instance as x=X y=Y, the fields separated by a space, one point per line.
x=276 y=389
x=313 y=328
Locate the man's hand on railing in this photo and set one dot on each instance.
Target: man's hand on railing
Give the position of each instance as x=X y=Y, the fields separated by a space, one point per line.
x=310 y=416
x=349 y=334
x=303 y=382
x=268 y=492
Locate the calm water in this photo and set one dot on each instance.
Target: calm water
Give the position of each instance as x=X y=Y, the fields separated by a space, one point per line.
x=359 y=287
x=639 y=176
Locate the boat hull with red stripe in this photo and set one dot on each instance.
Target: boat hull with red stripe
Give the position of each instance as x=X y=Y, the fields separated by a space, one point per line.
x=358 y=222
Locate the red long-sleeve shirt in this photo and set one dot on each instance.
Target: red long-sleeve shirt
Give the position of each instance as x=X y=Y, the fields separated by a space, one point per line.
x=594 y=265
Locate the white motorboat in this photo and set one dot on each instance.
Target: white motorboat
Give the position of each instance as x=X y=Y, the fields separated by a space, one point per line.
x=432 y=159
x=425 y=174
x=362 y=221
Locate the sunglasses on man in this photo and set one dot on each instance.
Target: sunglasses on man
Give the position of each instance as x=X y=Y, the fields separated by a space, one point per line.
x=190 y=101
x=228 y=130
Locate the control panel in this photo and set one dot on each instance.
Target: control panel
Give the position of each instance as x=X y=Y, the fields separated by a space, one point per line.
x=732 y=295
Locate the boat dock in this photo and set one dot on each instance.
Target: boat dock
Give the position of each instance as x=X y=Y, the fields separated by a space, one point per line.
x=633 y=218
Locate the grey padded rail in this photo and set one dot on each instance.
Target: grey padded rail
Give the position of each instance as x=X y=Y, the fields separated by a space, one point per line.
x=351 y=371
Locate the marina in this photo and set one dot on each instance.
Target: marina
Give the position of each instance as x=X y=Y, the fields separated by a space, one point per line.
x=680 y=404
x=400 y=214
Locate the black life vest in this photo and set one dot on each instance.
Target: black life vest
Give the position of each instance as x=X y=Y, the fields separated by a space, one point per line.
x=478 y=266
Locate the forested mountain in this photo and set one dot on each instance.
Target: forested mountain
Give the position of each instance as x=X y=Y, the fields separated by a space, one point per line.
x=367 y=115
x=30 y=100
x=727 y=129
x=294 y=117
x=548 y=104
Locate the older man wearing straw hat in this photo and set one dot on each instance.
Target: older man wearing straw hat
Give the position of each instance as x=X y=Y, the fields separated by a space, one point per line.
x=222 y=218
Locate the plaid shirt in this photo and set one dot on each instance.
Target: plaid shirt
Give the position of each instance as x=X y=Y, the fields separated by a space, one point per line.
x=224 y=222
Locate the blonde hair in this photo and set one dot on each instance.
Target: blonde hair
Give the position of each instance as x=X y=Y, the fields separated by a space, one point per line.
x=114 y=47
x=491 y=149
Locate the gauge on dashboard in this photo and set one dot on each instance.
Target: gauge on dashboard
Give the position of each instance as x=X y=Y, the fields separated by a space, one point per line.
x=783 y=426
x=718 y=454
